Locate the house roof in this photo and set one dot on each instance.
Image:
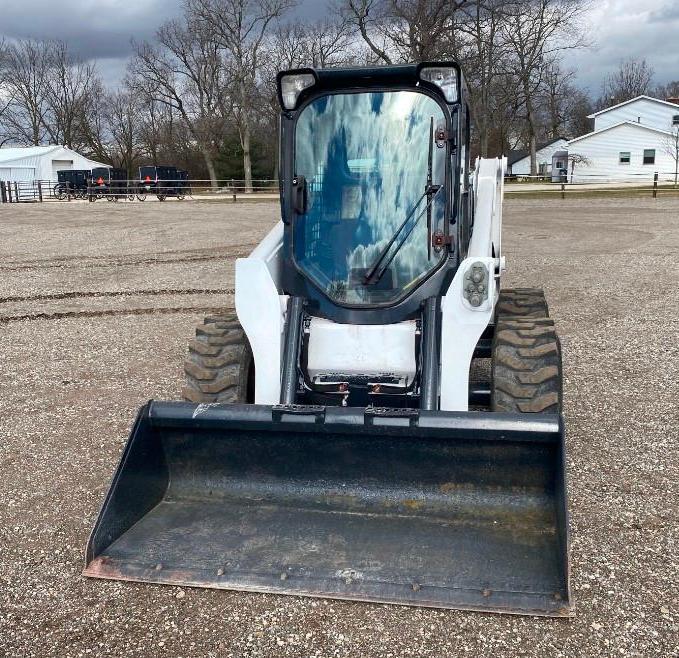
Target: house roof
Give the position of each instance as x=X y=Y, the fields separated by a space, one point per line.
x=634 y=124
x=633 y=100
x=514 y=156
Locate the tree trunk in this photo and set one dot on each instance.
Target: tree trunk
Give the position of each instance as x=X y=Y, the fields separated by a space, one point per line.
x=530 y=118
x=209 y=163
x=247 y=158
x=483 y=136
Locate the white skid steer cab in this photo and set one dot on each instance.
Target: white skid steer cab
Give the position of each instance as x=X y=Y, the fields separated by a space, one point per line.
x=379 y=421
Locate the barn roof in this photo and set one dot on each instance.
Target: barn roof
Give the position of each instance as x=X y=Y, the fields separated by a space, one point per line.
x=12 y=153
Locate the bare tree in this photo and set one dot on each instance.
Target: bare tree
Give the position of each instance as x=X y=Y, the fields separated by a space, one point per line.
x=476 y=44
x=633 y=78
x=536 y=32
x=557 y=93
x=580 y=106
x=404 y=30
x=70 y=86
x=577 y=159
x=185 y=72
x=239 y=28
x=125 y=120
x=670 y=145
x=27 y=71
x=371 y=18
x=670 y=90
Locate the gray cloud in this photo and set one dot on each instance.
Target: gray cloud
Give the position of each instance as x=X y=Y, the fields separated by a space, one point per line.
x=102 y=29
x=668 y=12
x=621 y=29
x=93 y=30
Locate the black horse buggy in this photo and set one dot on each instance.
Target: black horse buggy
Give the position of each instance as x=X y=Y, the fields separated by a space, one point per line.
x=71 y=183
x=109 y=183
x=163 y=181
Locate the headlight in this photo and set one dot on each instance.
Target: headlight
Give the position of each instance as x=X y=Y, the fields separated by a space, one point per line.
x=292 y=85
x=444 y=77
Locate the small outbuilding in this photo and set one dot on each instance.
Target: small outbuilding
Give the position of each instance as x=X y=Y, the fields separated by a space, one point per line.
x=29 y=163
x=518 y=162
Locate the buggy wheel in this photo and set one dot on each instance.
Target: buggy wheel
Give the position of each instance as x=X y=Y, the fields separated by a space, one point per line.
x=60 y=191
x=161 y=197
x=141 y=196
x=220 y=366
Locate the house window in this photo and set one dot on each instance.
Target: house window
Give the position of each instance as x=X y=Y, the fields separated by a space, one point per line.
x=559 y=164
x=675 y=120
x=625 y=157
x=649 y=156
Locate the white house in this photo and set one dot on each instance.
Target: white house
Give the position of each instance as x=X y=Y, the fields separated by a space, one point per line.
x=630 y=142
x=518 y=162
x=40 y=162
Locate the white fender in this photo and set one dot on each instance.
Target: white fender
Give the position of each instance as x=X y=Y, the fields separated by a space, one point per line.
x=261 y=311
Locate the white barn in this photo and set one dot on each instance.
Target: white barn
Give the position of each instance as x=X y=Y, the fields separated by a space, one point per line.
x=630 y=142
x=40 y=162
x=518 y=162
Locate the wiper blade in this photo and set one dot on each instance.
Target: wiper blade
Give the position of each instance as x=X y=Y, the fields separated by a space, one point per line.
x=378 y=268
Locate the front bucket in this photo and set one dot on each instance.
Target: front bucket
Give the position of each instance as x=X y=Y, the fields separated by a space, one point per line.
x=443 y=509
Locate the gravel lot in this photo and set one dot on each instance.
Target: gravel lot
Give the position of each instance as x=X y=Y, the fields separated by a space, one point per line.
x=97 y=303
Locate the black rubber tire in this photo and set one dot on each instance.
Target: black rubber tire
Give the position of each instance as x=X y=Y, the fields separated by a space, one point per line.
x=526 y=374
x=219 y=367
x=521 y=303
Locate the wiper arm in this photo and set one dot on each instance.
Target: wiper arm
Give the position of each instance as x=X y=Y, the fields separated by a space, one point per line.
x=378 y=268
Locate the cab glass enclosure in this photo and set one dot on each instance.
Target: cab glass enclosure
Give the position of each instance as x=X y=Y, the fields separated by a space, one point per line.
x=374 y=167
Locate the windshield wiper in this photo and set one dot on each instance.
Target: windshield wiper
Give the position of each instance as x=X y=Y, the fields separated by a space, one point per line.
x=378 y=268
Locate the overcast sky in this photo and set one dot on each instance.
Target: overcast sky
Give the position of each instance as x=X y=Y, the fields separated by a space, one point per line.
x=102 y=29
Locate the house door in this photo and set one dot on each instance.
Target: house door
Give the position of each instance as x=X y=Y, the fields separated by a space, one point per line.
x=58 y=165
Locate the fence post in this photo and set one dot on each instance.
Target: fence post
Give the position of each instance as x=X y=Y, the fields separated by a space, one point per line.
x=563 y=190
x=3 y=194
x=655 y=185
x=40 y=191
x=16 y=192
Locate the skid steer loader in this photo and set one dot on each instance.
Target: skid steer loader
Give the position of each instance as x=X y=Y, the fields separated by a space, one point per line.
x=381 y=421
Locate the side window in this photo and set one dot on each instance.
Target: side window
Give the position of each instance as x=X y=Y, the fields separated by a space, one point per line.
x=625 y=157
x=675 y=120
x=649 y=156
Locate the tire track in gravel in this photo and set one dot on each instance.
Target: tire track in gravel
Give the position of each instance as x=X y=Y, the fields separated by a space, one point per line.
x=166 y=257
x=111 y=313
x=118 y=293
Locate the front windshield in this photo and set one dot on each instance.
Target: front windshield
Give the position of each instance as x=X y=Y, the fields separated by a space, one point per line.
x=365 y=157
